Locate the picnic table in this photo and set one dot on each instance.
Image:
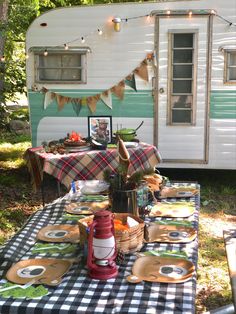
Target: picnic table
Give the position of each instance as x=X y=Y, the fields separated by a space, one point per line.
x=79 y=294
x=87 y=165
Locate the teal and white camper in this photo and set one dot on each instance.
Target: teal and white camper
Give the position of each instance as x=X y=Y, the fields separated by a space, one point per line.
x=171 y=64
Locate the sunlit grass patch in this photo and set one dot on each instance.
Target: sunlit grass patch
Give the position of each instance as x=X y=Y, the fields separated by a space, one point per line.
x=11 y=154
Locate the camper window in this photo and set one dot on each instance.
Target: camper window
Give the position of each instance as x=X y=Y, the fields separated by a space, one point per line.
x=60 y=67
x=182 y=66
x=230 y=66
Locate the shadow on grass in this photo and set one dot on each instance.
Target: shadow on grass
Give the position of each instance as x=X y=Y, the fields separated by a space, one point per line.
x=210 y=299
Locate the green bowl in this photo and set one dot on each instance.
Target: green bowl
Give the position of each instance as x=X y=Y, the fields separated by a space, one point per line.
x=126 y=135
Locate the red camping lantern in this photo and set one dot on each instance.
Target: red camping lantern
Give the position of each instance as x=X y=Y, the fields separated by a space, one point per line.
x=102 y=247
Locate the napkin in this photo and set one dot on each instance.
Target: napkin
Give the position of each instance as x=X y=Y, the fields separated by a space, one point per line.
x=29 y=293
x=174 y=254
x=184 y=223
x=93 y=198
x=72 y=217
x=61 y=248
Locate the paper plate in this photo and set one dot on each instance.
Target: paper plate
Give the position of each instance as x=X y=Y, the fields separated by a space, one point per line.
x=59 y=233
x=43 y=271
x=161 y=269
x=81 y=208
x=181 y=191
x=85 y=208
x=176 y=209
x=94 y=187
x=170 y=233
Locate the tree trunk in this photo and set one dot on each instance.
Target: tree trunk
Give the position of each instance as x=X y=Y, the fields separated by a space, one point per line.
x=3 y=21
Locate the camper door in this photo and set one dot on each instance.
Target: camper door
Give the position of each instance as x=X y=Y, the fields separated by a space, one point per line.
x=182 y=49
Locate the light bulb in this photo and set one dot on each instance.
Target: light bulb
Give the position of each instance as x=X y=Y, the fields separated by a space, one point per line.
x=117 y=21
x=82 y=40
x=2 y=59
x=66 y=47
x=45 y=53
x=190 y=13
x=99 y=31
x=168 y=12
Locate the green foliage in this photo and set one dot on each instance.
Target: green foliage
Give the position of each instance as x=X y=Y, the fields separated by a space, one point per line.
x=4 y=116
x=20 y=114
x=12 y=138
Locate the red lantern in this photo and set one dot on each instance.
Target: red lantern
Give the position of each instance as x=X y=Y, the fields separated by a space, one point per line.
x=102 y=247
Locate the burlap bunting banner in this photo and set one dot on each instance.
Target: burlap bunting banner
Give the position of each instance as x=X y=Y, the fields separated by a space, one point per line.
x=142 y=71
x=61 y=101
x=47 y=99
x=92 y=102
x=106 y=96
x=130 y=81
x=76 y=105
x=119 y=90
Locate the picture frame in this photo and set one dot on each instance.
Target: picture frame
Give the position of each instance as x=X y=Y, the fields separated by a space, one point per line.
x=100 y=128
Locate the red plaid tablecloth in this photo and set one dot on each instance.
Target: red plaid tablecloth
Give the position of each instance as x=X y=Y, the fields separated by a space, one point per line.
x=87 y=165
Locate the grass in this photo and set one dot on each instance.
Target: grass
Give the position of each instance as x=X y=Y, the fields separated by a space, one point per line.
x=218 y=212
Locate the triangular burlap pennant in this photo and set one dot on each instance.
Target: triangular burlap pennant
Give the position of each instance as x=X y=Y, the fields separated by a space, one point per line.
x=48 y=99
x=61 y=101
x=76 y=107
x=119 y=90
x=107 y=98
x=92 y=102
x=130 y=81
x=142 y=71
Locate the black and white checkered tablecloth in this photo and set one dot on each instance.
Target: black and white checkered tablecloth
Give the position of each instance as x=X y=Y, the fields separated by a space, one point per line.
x=77 y=293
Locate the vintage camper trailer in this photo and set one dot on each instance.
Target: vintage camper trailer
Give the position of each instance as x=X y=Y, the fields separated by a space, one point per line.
x=171 y=64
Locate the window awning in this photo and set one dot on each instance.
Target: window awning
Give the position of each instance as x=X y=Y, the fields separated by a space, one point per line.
x=60 y=49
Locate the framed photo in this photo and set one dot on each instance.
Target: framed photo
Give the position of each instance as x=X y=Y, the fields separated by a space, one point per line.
x=100 y=128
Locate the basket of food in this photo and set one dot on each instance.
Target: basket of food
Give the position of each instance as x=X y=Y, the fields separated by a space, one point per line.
x=129 y=231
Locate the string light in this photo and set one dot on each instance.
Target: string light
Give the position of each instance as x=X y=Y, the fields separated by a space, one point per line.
x=117 y=21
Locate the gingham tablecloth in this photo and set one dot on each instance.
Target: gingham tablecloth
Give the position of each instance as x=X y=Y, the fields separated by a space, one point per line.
x=87 y=165
x=78 y=294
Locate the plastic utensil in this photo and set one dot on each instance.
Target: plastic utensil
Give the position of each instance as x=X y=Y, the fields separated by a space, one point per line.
x=25 y=286
x=59 y=247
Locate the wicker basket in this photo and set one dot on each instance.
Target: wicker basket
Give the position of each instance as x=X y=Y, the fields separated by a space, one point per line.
x=127 y=241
